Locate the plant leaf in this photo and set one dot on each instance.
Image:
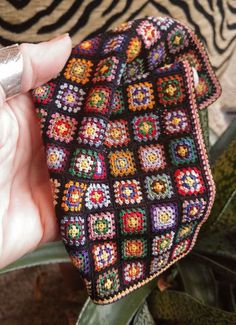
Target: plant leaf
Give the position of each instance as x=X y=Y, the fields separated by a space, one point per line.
x=198 y=280
x=143 y=316
x=203 y=116
x=120 y=312
x=223 y=142
x=228 y=273
x=47 y=254
x=182 y=308
x=220 y=244
x=223 y=159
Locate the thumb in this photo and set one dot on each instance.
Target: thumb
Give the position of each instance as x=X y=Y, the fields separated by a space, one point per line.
x=43 y=61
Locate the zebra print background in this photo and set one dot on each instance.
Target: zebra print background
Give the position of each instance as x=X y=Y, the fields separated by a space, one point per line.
x=213 y=20
x=33 y=21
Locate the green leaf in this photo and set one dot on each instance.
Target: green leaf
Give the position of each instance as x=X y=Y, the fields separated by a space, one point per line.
x=198 y=280
x=182 y=308
x=223 y=142
x=47 y=254
x=143 y=316
x=220 y=244
x=223 y=159
x=218 y=266
x=203 y=116
x=120 y=312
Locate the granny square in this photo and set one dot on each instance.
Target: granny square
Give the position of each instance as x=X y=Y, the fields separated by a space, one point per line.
x=73 y=231
x=101 y=225
x=78 y=70
x=130 y=177
x=133 y=221
x=98 y=100
x=83 y=163
x=152 y=157
x=62 y=128
x=57 y=157
x=159 y=187
x=134 y=248
x=122 y=163
x=182 y=151
x=140 y=96
x=117 y=133
x=104 y=254
x=146 y=127
x=164 y=216
x=69 y=97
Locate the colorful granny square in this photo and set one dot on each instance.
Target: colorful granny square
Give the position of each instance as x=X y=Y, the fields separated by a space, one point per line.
x=100 y=170
x=106 y=69
x=158 y=187
x=189 y=181
x=204 y=87
x=134 y=71
x=43 y=94
x=101 y=225
x=41 y=116
x=162 y=243
x=122 y=163
x=146 y=127
x=118 y=105
x=117 y=133
x=186 y=231
x=182 y=151
x=69 y=97
x=150 y=34
x=108 y=283
x=133 y=49
x=97 y=196
x=133 y=221
x=114 y=44
x=152 y=157
x=127 y=192
x=80 y=261
x=104 y=255
x=55 y=188
x=78 y=70
x=92 y=131
x=193 y=209
x=134 y=248
x=133 y=271
x=87 y=47
x=56 y=157
x=140 y=96
x=156 y=56
x=164 y=216
x=175 y=121
x=177 y=40
x=83 y=163
x=73 y=196
x=158 y=263
x=73 y=231
x=98 y=100
x=170 y=90
x=181 y=248
x=62 y=128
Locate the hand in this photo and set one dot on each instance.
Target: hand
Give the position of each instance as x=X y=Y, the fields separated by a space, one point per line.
x=27 y=217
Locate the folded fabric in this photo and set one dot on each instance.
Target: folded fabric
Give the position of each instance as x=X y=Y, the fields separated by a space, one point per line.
x=129 y=169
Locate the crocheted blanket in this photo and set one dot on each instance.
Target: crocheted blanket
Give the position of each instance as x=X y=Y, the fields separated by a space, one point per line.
x=128 y=165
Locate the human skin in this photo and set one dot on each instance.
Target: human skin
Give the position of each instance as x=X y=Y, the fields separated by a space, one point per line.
x=27 y=216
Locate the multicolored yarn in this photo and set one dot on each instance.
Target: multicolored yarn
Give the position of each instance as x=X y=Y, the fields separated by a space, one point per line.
x=129 y=171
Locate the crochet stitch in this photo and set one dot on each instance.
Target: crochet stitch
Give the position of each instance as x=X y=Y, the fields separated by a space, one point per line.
x=129 y=170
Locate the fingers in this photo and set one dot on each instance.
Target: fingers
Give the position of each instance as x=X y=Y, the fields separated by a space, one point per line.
x=44 y=61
